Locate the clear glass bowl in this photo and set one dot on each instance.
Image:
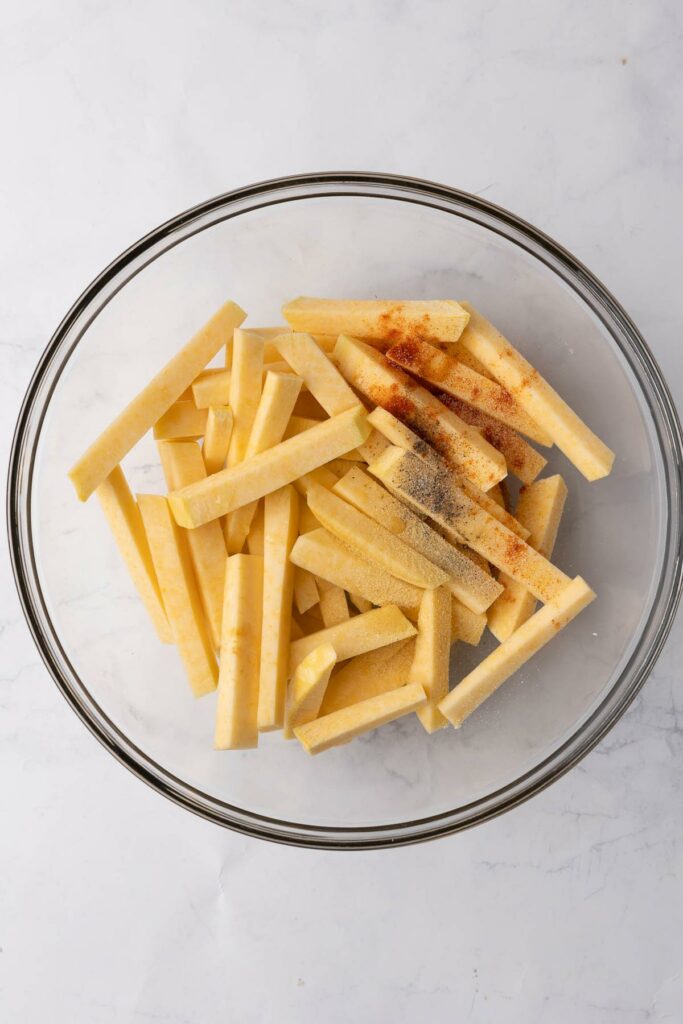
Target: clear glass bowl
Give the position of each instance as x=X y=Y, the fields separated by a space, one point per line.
x=350 y=235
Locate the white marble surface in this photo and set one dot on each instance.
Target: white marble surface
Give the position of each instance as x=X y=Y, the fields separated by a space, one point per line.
x=115 y=906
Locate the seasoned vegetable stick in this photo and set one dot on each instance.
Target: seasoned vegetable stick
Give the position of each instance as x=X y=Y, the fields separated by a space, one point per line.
x=362 y=633
x=383 y=319
x=238 y=485
x=181 y=598
x=238 y=683
x=490 y=673
x=571 y=435
x=151 y=403
x=349 y=722
x=307 y=688
x=385 y=385
x=125 y=522
x=438 y=497
x=540 y=507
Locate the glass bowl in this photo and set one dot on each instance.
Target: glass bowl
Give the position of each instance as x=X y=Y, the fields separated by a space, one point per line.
x=355 y=235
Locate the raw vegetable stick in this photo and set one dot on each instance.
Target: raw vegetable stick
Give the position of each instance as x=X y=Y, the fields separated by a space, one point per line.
x=466 y=580
x=346 y=724
x=368 y=675
x=238 y=485
x=373 y=447
x=540 y=507
x=217 y=438
x=373 y=541
x=362 y=633
x=490 y=673
x=432 y=654
x=305 y=588
x=181 y=422
x=442 y=370
x=152 y=402
x=322 y=377
x=181 y=598
x=433 y=494
x=396 y=432
x=307 y=688
x=183 y=464
x=333 y=605
x=384 y=319
x=238 y=683
x=125 y=522
x=212 y=387
x=280 y=526
x=466 y=626
x=571 y=435
x=321 y=553
x=279 y=395
x=245 y=390
x=385 y=385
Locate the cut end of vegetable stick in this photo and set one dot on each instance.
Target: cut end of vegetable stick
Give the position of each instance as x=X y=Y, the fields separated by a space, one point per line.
x=238 y=485
x=179 y=590
x=151 y=403
x=238 y=682
x=495 y=669
x=384 y=319
x=125 y=522
x=307 y=688
x=536 y=396
x=212 y=387
x=362 y=633
x=349 y=722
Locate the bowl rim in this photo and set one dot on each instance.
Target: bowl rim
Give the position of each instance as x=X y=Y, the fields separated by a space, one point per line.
x=613 y=704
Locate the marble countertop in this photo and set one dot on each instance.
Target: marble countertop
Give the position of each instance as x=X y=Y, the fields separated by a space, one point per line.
x=115 y=905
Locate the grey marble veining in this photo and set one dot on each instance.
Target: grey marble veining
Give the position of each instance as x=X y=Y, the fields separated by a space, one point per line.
x=115 y=906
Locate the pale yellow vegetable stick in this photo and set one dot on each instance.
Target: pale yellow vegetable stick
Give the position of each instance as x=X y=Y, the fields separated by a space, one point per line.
x=333 y=605
x=217 y=437
x=245 y=390
x=322 y=476
x=305 y=588
x=571 y=435
x=361 y=603
x=368 y=675
x=466 y=626
x=372 y=541
x=466 y=580
x=490 y=673
x=255 y=536
x=396 y=432
x=280 y=526
x=183 y=464
x=297 y=425
x=433 y=320
x=178 y=588
x=307 y=688
x=279 y=394
x=212 y=387
x=449 y=375
x=238 y=485
x=125 y=523
x=152 y=402
x=373 y=447
x=432 y=654
x=435 y=495
x=321 y=553
x=540 y=508
x=385 y=385
x=238 y=682
x=322 y=377
x=362 y=633
x=349 y=722
x=181 y=422
x=467 y=359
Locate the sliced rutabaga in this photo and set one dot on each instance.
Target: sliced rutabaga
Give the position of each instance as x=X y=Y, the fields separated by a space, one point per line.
x=322 y=378
x=432 y=654
x=238 y=485
x=571 y=435
x=368 y=675
x=385 y=320
x=385 y=385
x=151 y=403
x=490 y=673
x=307 y=688
x=238 y=683
x=362 y=633
x=436 y=495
